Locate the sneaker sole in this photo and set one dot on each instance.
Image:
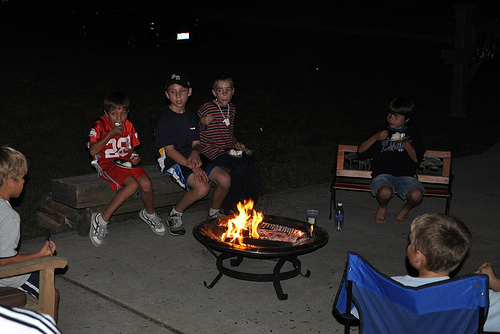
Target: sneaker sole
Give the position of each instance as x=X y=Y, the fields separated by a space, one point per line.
x=145 y=219
x=178 y=233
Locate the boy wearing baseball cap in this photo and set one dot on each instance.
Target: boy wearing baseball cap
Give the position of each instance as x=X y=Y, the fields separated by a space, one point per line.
x=178 y=149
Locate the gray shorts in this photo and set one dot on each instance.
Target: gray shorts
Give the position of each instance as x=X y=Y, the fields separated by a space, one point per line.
x=399 y=184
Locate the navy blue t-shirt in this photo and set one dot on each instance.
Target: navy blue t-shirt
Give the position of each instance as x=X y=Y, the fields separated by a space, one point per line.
x=390 y=157
x=176 y=129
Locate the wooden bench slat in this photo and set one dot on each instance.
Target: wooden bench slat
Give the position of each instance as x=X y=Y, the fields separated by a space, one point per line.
x=359 y=179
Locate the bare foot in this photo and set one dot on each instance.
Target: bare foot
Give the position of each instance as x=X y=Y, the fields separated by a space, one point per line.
x=400 y=217
x=380 y=215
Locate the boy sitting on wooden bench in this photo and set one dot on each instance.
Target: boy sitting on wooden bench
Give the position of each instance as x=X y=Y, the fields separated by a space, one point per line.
x=396 y=152
x=112 y=140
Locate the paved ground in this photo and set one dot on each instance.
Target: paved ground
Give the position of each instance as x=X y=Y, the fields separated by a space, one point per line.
x=143 y=283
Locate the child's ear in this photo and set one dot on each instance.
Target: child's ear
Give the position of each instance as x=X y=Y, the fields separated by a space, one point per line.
x=190 y=91
x=166 y=94
x=213 y=92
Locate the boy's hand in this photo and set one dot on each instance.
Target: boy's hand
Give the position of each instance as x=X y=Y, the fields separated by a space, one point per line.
x=117 y=130
x=200 y=175
x=239 y=146
x=194 y=160
x=135 y=158
x=381 y=135
x=48 y=249
x=206 y=120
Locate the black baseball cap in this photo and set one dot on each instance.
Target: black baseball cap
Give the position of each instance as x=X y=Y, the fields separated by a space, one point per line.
x=179 y=79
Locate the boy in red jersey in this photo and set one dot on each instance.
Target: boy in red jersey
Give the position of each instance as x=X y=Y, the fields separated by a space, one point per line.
x=112 y=141
x=221 y=146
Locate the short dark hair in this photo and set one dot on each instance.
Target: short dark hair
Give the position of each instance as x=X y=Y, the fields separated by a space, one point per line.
x=442 y=239
x=401 y=106
x=222 y=77
x=116 y=99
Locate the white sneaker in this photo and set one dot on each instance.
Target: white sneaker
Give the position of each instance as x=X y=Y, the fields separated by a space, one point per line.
x=154 y=222
x=98 y=231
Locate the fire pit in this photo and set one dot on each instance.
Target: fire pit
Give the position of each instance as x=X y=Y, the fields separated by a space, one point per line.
x=269 y=237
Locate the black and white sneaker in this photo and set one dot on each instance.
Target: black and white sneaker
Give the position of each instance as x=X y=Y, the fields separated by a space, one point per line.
x=175 y=224
x=215 y=215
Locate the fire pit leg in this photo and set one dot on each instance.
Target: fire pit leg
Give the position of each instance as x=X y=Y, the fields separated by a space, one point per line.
x=277 y=279
x=220 y=265
x=216 y=279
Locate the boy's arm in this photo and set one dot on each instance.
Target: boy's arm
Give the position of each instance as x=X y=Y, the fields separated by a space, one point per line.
x=193 y=162
x=381 y=135
x=410 y=150
x=96 y=147
x=48 y=249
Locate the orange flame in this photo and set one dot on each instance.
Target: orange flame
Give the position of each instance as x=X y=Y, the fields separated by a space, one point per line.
x=244 y=224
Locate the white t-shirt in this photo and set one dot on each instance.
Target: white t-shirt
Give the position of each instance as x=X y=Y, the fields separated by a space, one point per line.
x=10 y=233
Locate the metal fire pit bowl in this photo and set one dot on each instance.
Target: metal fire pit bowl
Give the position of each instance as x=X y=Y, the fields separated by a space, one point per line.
x=209 y=234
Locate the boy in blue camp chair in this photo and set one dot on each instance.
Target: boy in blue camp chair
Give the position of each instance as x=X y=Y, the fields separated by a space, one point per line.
x=438 y=244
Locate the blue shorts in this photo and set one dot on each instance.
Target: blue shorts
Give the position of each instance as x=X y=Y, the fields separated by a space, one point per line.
x=32 y=285
x=399 y=184
x=180 y=173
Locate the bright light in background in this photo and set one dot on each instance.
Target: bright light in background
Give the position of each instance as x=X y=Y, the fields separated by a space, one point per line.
x=182 y=36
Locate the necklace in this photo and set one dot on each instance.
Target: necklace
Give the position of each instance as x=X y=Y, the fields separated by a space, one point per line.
x=226 y=118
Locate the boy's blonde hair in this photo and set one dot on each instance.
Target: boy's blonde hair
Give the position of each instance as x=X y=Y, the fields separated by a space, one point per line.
x=443 y=240
x=13 y=164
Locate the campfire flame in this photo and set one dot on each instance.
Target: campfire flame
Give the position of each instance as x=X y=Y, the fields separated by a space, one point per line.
x=244 y=224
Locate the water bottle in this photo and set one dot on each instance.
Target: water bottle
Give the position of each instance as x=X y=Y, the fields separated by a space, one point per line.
x=339 y=217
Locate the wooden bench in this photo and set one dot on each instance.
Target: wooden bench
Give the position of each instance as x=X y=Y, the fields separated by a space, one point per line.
x=353 y=174
x=74 y=199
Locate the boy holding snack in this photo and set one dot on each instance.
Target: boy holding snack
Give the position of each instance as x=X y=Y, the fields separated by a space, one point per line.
x=111 y=143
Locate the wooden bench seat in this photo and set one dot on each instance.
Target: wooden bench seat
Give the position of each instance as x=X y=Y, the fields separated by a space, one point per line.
x=74 y=199
x=353 y=174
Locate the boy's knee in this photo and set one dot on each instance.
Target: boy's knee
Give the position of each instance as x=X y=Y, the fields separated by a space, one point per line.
x=131 y=186
x=384 y=192
x=201 y=189
x=415 y=195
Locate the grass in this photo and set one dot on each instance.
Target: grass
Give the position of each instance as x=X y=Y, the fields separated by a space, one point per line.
x=298 y=95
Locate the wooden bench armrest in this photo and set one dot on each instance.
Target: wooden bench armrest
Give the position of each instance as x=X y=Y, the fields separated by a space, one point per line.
x=46 y=266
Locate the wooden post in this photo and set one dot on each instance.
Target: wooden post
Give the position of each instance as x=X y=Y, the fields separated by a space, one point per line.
x=474 y=44
x=464 y=40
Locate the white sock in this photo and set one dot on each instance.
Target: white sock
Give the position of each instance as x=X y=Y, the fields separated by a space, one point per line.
x=103 y=223
x=212 y=212
x=175 y=212
x=151 y=215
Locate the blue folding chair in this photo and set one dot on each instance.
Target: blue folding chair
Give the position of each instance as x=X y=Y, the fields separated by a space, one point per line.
x=458 y=305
